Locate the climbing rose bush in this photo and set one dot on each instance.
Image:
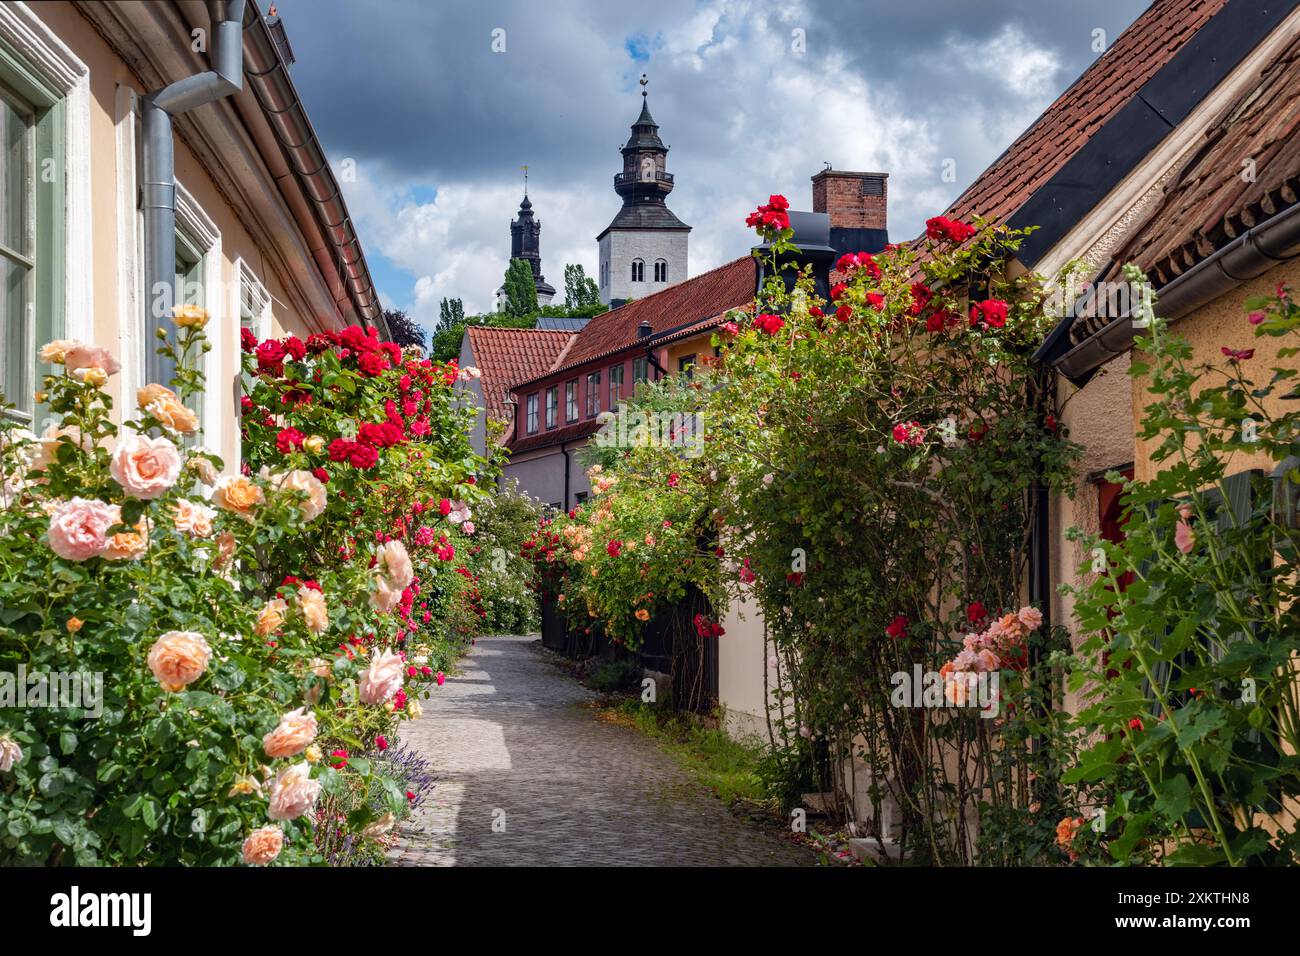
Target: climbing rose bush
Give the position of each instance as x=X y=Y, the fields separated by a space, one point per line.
x=241 y=625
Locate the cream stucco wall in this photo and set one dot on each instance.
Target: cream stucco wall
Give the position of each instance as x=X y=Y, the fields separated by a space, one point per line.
x=1222 y=324
x=114 y=263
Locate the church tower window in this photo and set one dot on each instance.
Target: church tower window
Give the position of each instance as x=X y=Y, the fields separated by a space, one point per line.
x=661 y=270
x=638 y=270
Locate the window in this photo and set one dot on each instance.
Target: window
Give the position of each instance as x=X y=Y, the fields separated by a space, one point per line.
x=571 y=401
x=552 y=406
x=31 y=225
x=254 y=313
x=638 y=270
x=593 y=394
x=661 y=270
x=686 y=365
x=640 y=369
x=615 y=385
x=531 y=422
x=17 y=239
x=580 y=498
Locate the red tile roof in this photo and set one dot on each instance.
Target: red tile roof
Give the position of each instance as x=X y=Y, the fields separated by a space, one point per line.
x=1210 y=203
x=506 y=356
x=694 y=304
x=1039 y=153
x=553 y=437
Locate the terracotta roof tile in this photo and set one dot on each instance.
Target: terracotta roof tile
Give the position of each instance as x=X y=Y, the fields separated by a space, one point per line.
x=554 y=437
x=1077 y=114
x=691 y=303
x=1210 y=202
x=506 y=356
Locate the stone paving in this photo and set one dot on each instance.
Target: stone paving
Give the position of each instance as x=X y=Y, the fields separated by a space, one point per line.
x=528 y=776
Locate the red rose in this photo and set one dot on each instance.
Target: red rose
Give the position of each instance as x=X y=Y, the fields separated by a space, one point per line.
x=771 y=324
x=897 y=627
x=975 y=612
x=1238 y=355
x=321 y=474
x=288 y=439
x=270 y=357
x=614 y=548
x=444 y=507
x=844 y=313
x=363 y=456
x=295 y=347
x=674 y=480
x=372 y=363
x=876 y=301
x=340 y=449
x=247 y=340
x=990 y=312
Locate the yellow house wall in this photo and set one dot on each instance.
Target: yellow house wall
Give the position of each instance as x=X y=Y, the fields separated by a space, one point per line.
x=1222 y=323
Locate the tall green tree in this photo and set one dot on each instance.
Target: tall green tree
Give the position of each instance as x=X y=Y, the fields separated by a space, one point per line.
x=580 y=292
x=450 y=312
x=521 y=293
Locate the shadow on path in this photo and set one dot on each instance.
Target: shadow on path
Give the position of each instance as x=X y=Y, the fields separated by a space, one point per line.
x=512 y=745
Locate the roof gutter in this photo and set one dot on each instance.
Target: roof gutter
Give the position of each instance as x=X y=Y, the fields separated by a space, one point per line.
x=1250 y=255
x=159 y=179
x=354 y=291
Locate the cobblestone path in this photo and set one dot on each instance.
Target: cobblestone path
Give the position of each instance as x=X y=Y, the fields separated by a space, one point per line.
x=512 y=745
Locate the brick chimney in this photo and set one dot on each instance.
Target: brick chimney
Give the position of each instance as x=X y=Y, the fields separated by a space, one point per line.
x=854 y=200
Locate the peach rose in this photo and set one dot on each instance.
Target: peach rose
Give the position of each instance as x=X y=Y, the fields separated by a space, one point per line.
x=296 y=730
x=178 y=659
x=225 y=550
x=79 y=358
x=236 y=493
x=52 y=353
x=47 y=446
x=127 y=545
x=382 y=679
x=384 y=597
x=78 y=528
x=10 y=754
x=1030 y=618
x=145 y=467
x=271 y=618
x=313 y=505
x=263 y=846
x=161 y=402
x=193 y=518
x=315 y=611
x=393 y=562
x=190 y=316
x=293 y=793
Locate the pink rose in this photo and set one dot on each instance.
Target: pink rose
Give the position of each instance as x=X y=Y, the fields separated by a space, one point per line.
x=293 y=793
x=78 y=356
x=178 y=659
x=263 y=845
x=145 y=467
x=395 y=564
x=297 y=729
x=384 y=598
x=382 y=679
x=10 y=754
x=78 y=529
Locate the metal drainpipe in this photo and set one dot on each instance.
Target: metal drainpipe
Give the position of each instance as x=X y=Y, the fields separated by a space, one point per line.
x=225 y=45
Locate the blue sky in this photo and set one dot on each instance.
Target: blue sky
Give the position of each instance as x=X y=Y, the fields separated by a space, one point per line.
x=440 y=104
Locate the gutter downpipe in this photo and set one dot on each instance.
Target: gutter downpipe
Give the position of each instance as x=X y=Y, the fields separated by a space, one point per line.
x=159 y=185
x=565 y=452
x=1254 y=252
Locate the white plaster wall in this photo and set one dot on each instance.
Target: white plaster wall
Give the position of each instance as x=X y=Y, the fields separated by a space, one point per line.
x=619 y=247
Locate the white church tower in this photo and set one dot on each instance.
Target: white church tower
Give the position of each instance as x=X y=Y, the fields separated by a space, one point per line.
x=644 y=249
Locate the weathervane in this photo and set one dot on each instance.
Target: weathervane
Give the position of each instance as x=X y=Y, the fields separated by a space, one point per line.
x=643 y=81
x=525 y=169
